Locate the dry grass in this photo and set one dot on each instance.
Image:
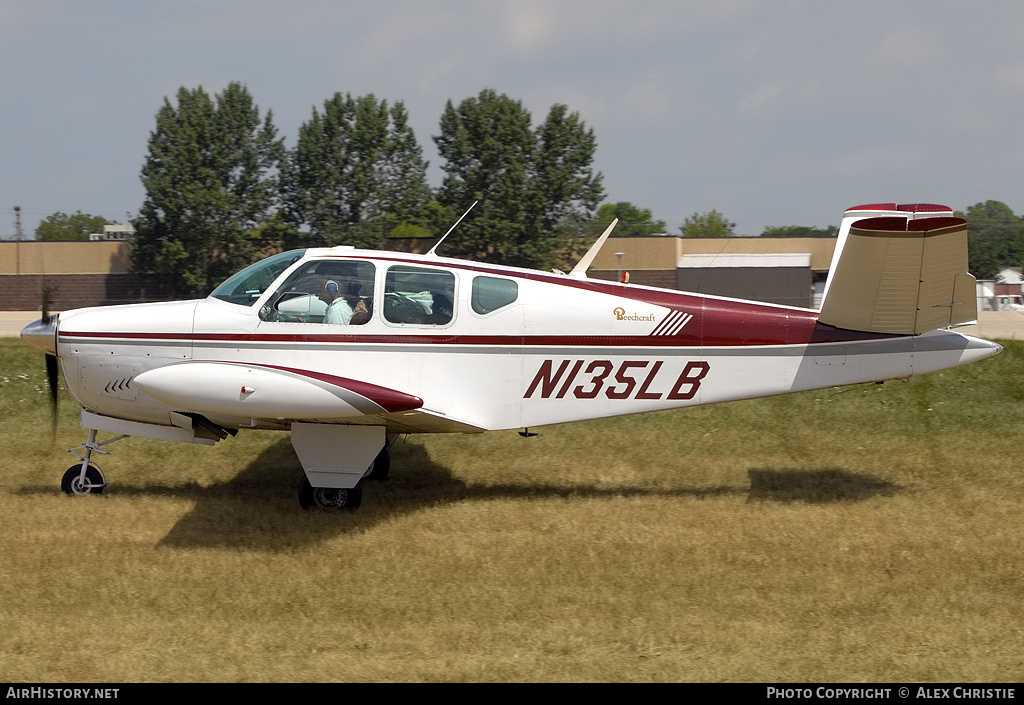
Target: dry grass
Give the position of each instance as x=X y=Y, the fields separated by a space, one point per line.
x=872 y=535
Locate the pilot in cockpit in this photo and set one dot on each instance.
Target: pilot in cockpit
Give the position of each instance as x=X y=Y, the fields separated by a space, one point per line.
x=340 y=292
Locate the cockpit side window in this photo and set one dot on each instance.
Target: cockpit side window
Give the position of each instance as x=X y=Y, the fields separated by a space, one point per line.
x=492 y=293
x=332 y=291
x=419 y=296
x=245 y=287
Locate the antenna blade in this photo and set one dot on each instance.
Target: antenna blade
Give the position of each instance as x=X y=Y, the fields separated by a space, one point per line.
x=431 y=252
x=580 y=270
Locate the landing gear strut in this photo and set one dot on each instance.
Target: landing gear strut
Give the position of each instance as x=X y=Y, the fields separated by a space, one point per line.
x=86 y=477
x=381 y=467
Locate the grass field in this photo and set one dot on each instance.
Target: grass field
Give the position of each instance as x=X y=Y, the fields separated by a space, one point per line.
x=872 y=534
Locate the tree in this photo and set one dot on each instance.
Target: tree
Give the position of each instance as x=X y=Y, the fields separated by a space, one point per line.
x=710 y=224
x=633 y=221
x=995 y=238
x=565 y=189
x=61 y=226
x=799 y=231
x=356 y=173
x=210 y=183
x=532 y=185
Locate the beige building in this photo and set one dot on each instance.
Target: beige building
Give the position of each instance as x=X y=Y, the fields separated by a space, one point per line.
x=781 y=270
x=785 y=270
x=88 y=273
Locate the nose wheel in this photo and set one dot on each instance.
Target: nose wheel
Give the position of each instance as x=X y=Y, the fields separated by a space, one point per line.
x=76 y=482
x=86 y=477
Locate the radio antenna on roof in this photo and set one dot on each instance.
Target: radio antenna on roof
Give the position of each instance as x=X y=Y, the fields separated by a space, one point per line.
x=431 y=252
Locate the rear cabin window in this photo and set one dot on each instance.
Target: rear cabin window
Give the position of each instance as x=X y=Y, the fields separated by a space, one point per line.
x=419 y=296
x=491 y=293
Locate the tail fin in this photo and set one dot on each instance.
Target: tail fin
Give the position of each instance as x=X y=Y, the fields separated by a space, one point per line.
x=900 y=269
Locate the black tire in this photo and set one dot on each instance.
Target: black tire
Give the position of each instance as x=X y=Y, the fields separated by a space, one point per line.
x=70 y=483
x=329 y=499
x=381 y=466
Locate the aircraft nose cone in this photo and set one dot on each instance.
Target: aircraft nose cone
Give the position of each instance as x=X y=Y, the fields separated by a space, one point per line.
x=42 y=334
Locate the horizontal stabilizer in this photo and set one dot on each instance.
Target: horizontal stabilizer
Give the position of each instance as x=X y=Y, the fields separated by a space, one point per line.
x=902 y=276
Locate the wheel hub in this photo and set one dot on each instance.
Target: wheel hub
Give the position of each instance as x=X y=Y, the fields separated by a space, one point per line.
x=330 y=499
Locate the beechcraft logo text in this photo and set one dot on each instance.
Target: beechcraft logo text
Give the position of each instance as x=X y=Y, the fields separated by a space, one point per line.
x=621 y=315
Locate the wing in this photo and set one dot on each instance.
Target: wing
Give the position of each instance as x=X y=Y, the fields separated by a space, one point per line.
x=268 y=391
x=242 y=391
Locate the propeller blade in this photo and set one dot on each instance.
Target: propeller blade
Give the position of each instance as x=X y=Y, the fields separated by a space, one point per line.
x=51 y=379
x=44 y=298
x=51 y=360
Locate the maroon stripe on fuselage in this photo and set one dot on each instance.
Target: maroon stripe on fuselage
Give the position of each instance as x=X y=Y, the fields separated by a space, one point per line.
x=389 y=399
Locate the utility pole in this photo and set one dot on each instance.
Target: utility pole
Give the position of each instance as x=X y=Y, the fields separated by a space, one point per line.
x=17 y=235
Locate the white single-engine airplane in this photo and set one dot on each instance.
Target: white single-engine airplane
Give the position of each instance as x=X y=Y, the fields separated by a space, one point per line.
x=350 y=348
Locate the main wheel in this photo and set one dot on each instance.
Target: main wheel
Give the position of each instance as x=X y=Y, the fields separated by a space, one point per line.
x=381 y=466
x=72 y=483
x=329 y=499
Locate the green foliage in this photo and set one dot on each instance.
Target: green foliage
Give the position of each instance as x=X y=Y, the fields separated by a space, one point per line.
x=61 y=226
x=220 y=186
x=995 y=238
x=209 y=180
x=532 y=184
x=799 y=231
x=356 y=173
x=633 y=221
x=709 y=224
x=410 y=230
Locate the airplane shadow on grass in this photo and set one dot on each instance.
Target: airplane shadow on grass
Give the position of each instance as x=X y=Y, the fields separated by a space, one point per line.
x=258 y=509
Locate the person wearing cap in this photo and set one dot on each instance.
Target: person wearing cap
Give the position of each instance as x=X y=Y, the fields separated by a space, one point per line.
x=342 y=298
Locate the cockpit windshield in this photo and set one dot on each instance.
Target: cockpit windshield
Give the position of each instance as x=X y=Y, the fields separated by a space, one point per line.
x=245 y=287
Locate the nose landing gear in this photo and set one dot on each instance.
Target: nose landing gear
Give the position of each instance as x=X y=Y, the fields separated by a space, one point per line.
x=86 y=477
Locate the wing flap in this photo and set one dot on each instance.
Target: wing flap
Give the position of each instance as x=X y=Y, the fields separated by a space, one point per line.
x=427 y=421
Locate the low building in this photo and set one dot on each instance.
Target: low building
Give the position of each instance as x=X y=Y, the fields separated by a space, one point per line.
x=789 y=271
x=73 y=274
x=1004 y=293
x=113 y=232
x=783 y=270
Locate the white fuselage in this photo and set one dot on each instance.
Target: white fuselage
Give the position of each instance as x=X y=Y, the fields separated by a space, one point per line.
x=563 y=349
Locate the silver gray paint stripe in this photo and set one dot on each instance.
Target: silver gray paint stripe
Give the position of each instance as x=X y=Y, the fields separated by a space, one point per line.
x=863 y=347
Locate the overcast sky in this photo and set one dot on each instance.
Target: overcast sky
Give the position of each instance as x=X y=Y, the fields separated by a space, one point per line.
x=775 y=112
